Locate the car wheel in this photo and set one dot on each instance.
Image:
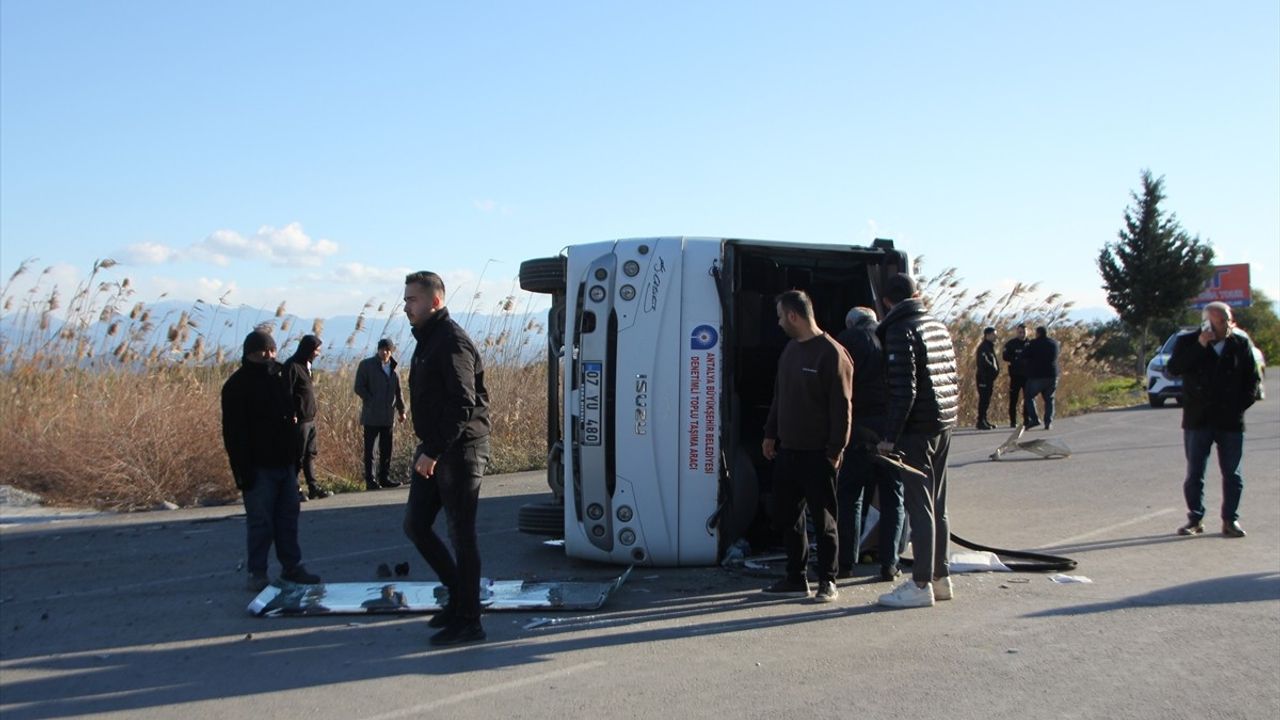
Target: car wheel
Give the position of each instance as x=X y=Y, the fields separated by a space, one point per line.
x=1155 y=400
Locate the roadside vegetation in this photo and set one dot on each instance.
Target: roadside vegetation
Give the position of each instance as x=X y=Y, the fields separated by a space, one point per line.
x=107 y=405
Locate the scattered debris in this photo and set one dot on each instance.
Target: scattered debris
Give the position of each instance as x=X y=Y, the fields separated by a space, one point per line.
x=1048 y=448
x=1068 y=579
x=384 y=570
x=402 y=569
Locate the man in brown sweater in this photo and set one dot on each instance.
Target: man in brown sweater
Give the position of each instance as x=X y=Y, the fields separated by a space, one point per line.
x=805 y=435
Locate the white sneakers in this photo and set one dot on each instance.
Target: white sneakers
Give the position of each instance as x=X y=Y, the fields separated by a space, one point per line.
x=910 y=595
x=942 y=589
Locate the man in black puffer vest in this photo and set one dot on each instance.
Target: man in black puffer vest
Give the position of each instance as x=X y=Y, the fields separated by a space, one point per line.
x=920 y=364
x=298 y=372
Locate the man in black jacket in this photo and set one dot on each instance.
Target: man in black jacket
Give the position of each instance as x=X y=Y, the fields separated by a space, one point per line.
x=298 y=371
x=1041 y=359
x=920 y=364
x=260 y=433
x=1220 y=381
x=451 y=419
x=988 y=371
x=859 y=476
x=1012 y=356
x=378 y=387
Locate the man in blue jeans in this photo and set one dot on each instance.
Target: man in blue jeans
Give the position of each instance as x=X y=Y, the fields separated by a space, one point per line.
x=260 y=433
x=1220 y=381
x=1041 y=360
x=451 y=419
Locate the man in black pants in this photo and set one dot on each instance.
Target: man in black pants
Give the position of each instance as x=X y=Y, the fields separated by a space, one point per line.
x=378 y=386
x=260 y=433
x=805 y=435
x=860 y=476
x=1017 y=370
x=988 y=371
x=920 y=365
x=1041 y=359
x=451 y=419
x=298 y=371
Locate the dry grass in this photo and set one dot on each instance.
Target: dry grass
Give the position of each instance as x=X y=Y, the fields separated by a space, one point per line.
x=131 y=419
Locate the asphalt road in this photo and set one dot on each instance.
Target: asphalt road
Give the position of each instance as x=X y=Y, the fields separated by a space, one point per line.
x=143 y=616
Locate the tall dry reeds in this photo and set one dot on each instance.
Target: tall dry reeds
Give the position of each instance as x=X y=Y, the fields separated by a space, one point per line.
x=103 y=403
x=967 y=315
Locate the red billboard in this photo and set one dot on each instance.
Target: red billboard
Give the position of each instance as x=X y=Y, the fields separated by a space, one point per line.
x=1228 y=284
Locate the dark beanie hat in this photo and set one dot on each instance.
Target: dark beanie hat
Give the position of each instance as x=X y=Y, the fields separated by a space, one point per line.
x=900 y=287
x=257 y=341
x=308 y=344
x=988 y=330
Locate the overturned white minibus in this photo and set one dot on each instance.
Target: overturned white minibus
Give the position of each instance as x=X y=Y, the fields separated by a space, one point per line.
x=661 y=361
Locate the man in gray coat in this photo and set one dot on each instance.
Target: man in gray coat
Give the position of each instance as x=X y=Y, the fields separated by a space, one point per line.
x=378 y=386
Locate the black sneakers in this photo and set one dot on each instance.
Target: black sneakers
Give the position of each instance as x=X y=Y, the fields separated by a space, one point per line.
x=444 y=618
x=459 y=632
x=827 y=592
x=257 y=582
x=889 y=574
x=299 y=574
x=1194 y=527
x=315 y=492
x=389 y=483
x=1232 y=529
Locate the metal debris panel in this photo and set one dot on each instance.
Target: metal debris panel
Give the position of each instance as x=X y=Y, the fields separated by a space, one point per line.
x=429 y=597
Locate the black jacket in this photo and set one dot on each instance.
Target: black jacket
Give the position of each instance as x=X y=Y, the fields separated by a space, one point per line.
x=446 y=387
x=379 y=391
x=869 y=389
x=920 y=364
x=1041 y=358
x=304 y=394
x=258 y=428
x=988 y=365
x=1216 y=389
x=1012 y=355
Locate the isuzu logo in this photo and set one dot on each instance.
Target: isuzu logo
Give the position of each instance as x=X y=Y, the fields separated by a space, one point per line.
x=642 y=404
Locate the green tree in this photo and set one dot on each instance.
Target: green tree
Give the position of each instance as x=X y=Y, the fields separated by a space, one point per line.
x=1262 y=324
x=1154 y=268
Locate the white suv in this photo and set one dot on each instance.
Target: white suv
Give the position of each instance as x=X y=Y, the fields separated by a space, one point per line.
x=1161 y=387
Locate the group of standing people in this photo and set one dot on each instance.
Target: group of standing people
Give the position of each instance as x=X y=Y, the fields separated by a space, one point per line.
x=1032 y=366
x=888 y=389
x=268 y=426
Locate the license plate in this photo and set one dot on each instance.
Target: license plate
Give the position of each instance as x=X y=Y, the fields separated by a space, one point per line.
x=589 y=410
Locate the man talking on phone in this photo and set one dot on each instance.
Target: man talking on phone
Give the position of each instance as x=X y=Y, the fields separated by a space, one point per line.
x=1220 y=381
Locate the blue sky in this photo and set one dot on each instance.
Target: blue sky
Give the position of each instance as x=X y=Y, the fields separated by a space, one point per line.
x=313 y=152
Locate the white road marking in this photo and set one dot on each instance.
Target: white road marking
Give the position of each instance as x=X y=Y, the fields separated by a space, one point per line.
x=416 y=710
x=1110 y=528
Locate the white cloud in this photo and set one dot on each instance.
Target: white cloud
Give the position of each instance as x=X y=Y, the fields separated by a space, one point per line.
x=288 y=246
x=359 y=273
x=147 y=253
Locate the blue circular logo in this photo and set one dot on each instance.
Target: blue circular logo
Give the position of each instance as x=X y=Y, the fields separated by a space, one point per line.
x=704 y=337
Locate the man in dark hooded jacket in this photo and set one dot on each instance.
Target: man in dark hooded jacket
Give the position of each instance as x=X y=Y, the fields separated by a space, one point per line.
x=298 y=372
x=920 y=364
x=260 y=433
x=859 y=476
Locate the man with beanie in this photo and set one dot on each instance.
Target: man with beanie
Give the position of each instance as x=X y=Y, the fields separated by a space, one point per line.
x=260 y=433
x=859 y=475
x=378 y=387
x=451 y=419
x=805 y=434
x=1220 y=379
x=298 y=372
x=1041 y=357
x=988 y=371
x=920 y=364
x=1012 y=355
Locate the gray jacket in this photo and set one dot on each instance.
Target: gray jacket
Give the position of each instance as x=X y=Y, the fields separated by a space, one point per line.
x=380 y=393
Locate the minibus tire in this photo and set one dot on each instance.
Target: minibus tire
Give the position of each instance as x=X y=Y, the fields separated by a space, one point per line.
x=543 y=275
x=546 y=519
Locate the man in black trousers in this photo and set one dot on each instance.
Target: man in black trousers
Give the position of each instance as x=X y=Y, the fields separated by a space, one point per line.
x=450 y=408
x=1017 y=370
x=298 y=372
x=988 y=371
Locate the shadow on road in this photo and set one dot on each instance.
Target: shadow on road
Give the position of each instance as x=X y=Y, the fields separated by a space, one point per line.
x=1250 y=587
